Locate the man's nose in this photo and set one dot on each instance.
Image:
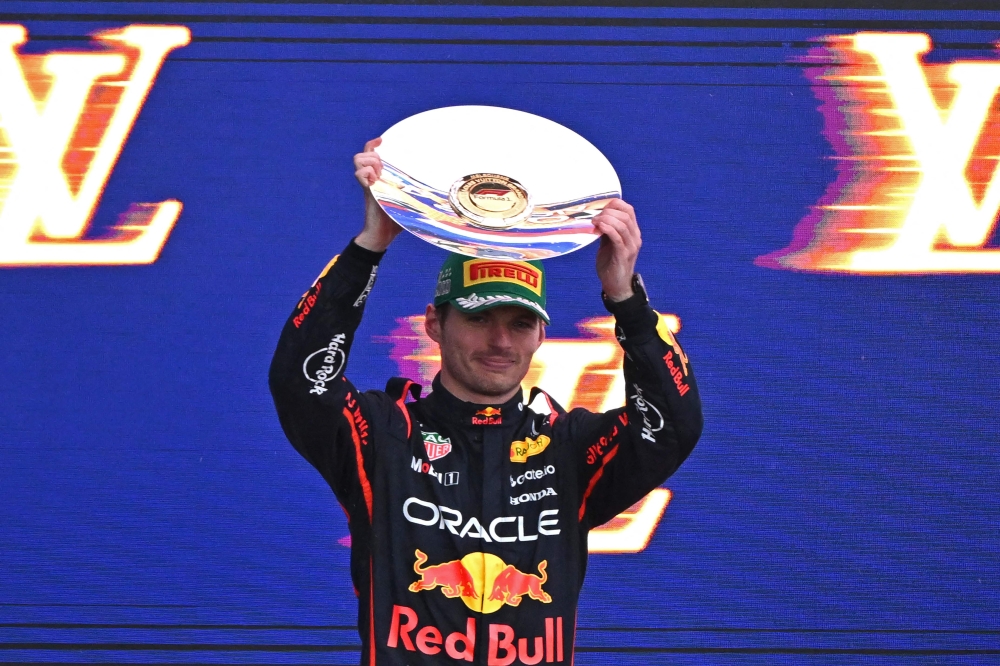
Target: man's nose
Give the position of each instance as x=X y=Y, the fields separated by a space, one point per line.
x=499 y=336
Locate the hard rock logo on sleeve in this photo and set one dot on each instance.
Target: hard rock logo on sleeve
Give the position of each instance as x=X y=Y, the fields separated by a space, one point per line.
x=324 y=365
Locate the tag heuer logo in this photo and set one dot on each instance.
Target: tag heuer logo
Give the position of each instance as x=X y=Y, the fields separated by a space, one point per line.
x=436 y=445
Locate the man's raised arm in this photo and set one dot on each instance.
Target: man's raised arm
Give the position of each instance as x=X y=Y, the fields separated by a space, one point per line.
x=625 y=453
x=314 y=400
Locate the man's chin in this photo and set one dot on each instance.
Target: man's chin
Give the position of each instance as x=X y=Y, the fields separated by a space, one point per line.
x=495 y=390
x=489 y=385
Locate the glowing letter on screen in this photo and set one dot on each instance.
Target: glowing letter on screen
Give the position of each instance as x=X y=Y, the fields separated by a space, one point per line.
x=64 y=118
x=919 y=190
x=577 y=372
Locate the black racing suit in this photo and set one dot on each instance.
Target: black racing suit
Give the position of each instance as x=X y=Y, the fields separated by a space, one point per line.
x=469 y=522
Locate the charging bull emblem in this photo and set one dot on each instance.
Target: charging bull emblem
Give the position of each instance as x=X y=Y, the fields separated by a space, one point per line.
x=452 y=577
x=512 y=584
x=482 y=581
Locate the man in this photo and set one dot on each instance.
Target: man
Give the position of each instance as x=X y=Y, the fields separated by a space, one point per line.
x=469 y=509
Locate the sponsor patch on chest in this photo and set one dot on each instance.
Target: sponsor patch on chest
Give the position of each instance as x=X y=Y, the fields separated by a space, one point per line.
x=521 y=450
x=436 y=445
x=532 y=497
x=444 y=478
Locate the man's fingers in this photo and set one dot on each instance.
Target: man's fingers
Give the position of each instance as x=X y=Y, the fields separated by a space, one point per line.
x=620 y=241
x=369 y=163
x=367 y=159
x=619 y=223
x=623 y=212
x=607 y=229
x=373 y=144
x=366 y=176
x=618 y=204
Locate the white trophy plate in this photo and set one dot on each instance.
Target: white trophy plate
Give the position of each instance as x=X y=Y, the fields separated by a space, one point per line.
x=485 y=181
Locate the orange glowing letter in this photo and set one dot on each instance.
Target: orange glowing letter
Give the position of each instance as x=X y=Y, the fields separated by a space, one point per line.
x=919 y=190
x=64 y=118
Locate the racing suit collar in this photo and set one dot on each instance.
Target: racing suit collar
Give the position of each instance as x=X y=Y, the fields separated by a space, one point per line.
x=470 y=413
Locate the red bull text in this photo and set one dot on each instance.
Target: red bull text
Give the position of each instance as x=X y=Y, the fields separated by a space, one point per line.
x=488 y=416
x=504 y=648
x=676 y=373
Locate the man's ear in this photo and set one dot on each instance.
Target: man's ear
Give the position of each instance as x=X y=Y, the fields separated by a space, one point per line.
x=432 y=324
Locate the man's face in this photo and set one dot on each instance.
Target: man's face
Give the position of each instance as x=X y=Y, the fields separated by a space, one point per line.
x=486 y=353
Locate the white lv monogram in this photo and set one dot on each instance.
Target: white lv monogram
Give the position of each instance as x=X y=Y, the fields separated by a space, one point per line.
x=64 y=118
x=943 y=142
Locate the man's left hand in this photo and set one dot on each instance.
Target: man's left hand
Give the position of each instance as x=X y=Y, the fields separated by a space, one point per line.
x=620 y=243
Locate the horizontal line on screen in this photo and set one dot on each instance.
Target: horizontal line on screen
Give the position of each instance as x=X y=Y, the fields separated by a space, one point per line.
x=722 y=4
x=243 y=647
x=181 y=647
x=176 y=626
x=83 y=605
x=577 y=63
x=330 y=627
x=648 y=43
x=190 y=663
x=884 y=652
x=559 y=21
x=663 y=43
x=759 y=630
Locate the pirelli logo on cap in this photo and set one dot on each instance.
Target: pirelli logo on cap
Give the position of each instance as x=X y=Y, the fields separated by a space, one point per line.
x=478 y=271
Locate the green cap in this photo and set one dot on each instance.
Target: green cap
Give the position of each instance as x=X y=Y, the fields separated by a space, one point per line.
x=472 y=284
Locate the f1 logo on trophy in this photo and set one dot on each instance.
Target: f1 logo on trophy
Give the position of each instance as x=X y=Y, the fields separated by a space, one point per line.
x=494 y=183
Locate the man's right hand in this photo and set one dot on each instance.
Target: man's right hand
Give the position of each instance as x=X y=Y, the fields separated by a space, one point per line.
x=379 y=229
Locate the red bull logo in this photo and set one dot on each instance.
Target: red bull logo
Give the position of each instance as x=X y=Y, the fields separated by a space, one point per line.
x=482 y=580
x=504 y=648
x=453 y=578
x=675 y=373
x=512 y=584
x=428 y=639
x=488 y=416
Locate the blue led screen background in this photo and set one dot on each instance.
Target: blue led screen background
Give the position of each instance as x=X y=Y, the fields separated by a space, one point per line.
x=840 y=507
